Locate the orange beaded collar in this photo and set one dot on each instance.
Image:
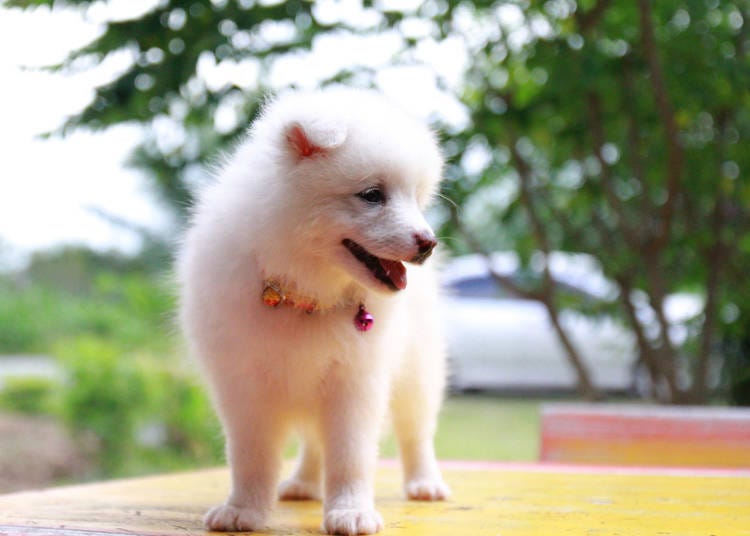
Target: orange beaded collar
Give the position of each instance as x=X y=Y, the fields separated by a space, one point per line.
x=273 y=296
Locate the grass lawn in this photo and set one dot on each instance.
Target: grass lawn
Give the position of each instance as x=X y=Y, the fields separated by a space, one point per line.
x=476 y=427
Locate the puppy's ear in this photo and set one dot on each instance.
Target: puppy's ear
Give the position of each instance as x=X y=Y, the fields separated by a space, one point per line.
x=314 y=137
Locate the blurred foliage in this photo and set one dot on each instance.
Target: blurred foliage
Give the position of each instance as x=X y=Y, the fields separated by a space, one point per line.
x=144 y=411
x=74 y=291
x=34 y=396
x=107 y=319
x=138 y=408
x=613 y=128
x=105 y=396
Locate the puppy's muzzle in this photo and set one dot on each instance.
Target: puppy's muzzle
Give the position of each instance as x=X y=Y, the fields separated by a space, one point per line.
x=426 y=242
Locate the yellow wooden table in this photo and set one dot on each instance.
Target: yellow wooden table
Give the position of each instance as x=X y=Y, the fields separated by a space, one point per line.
x=488 y=500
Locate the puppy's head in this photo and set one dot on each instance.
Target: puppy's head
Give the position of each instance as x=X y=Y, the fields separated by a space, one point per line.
x=358 y=174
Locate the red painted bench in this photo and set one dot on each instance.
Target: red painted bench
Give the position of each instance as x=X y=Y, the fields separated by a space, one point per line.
x=645 y=435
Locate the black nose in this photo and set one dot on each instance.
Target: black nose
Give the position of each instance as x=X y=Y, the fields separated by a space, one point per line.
x=425 y=244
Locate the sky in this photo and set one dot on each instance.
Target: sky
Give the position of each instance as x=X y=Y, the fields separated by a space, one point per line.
x=48 y=187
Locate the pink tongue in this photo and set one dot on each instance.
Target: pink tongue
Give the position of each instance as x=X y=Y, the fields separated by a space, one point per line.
x=396 y=272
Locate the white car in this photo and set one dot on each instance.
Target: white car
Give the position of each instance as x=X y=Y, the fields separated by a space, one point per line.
x=498 y=341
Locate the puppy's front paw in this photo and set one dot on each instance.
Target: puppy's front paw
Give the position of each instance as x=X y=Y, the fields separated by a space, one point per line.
x=228 y=518
x=427 y=489
x=298 y=490
x=352 y=521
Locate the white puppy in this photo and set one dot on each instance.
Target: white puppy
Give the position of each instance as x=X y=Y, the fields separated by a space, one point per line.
x=294 y=297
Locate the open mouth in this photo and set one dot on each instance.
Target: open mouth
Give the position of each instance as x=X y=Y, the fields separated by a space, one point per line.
x=391 y=273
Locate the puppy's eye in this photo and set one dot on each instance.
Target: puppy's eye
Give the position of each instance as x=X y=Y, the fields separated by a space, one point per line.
x=374 y=195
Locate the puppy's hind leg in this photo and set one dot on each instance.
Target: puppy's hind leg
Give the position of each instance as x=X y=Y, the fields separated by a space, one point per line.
x=305 y=482
x=415 y=404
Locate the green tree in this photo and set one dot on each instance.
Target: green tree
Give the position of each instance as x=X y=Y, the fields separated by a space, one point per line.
x=614 y=128
x=621 y=130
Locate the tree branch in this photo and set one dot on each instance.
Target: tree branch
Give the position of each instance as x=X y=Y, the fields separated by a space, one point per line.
x=546 y=294
x=475 y=245
x=656 y=295
x=666 y=113
x=588 y=20
x=596 y=126
x=658 y=368
x=585 y=385
x=633 y=128
x=716 y=259
x=524 y=181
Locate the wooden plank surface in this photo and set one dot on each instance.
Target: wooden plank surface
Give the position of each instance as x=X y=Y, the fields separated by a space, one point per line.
x=645 y=435
x=489 y=500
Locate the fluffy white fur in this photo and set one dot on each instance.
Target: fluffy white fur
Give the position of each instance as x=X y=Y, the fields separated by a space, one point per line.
x=277 y=212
